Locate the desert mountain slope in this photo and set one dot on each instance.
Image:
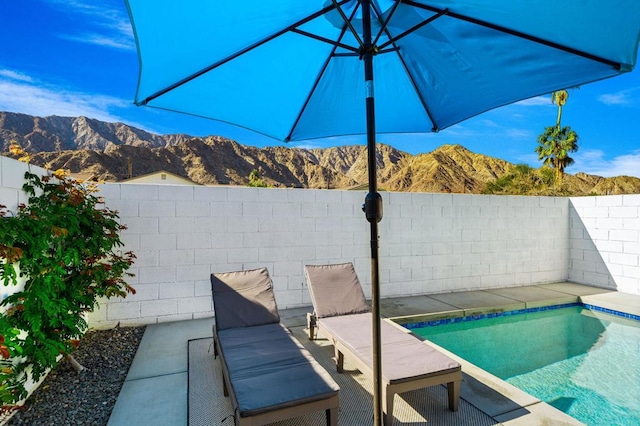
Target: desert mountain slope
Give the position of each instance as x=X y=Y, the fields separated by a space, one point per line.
x=55 y=133
x=116 y=151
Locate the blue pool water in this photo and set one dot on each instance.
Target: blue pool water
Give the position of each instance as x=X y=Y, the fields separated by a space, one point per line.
x=583 y=362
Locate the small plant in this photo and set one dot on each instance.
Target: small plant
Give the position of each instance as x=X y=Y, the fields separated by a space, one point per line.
x=256 y=180
x=63 y=244
x=525 y=180
x=517 y=181
x=548 y=176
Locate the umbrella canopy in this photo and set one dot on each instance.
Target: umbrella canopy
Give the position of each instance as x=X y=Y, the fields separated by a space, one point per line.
x=297 y=70
x=290 y=69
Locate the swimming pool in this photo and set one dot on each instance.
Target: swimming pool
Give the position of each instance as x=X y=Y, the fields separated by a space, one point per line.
x=583 y=362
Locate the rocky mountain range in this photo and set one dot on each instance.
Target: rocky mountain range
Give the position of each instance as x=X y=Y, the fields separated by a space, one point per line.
x=116 y=151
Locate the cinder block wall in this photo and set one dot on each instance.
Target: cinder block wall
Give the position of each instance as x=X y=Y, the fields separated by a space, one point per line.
x=181 y=234
x=605 y=242
x=429 y=243
x=436 y=243
x=11 y=181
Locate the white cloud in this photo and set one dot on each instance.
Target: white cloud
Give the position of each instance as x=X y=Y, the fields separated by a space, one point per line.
x=593 y=162
x=591 y=155
x=515 y=133
x=619 y=98
x=14 y=75
x=110 y=27
x=100 y=40
x=489 y=123
x=461 y=131
x=537 y=101
x=626 y=97
x=303 y=146
x=24 y=95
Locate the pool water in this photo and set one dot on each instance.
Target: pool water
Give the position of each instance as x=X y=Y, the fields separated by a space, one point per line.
x=583 y=362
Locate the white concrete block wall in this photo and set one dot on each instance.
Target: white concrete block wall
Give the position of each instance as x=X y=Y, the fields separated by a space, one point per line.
x=434 y=243
x=604 y=241
x=429 y=243
x=182 y=234
x=11 y=181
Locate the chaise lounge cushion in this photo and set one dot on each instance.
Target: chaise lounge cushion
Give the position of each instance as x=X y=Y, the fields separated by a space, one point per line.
x=405 y=358
x=269 y=369
x=408 y=363
x=269 y=375
x=243 y=299
x=338 y=288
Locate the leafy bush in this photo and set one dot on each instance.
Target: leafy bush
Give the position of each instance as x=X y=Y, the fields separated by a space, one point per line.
x=256 y=180
x=65 y=248
x=547 y=176
x=523 y=169
x=518 y=179
x=525 y=180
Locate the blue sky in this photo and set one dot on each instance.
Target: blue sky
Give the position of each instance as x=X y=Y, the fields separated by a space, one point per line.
x=72 y=58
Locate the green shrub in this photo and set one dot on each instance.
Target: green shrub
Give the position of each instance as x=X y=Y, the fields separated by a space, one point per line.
x=64 y=245
x=256 y=180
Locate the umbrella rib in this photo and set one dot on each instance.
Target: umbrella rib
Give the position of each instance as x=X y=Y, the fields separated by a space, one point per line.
x=323 y=39
x=386 y=22
x=223 y=61
x=395 y=48
x=348 y=22
x=515 y=33
x=439 y=14
x=324 y=67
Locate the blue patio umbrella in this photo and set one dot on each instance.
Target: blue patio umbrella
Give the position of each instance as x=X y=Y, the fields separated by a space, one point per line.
x=298 y=70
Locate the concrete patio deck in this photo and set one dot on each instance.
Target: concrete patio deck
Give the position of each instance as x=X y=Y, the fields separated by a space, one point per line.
x=155 y=390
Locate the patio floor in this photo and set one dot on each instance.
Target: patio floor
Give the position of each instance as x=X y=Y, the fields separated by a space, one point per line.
x=155 y=390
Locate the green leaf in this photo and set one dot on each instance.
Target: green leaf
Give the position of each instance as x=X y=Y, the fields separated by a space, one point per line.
x=68 y=260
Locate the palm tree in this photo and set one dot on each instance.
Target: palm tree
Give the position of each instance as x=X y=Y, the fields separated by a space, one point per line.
x=556 y=142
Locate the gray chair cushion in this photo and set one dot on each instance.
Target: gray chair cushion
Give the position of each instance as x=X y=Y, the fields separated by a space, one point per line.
x=269 y=369
x=243 y=299
x=335 y=290
x=404 y=357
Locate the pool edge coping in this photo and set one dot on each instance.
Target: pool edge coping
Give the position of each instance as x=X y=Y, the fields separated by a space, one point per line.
x=440 y=318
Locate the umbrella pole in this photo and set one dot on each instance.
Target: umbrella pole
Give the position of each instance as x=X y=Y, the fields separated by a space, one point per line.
x=373 y=212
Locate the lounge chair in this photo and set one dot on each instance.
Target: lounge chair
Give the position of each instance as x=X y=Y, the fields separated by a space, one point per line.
x=269 y=375
x=341 y=313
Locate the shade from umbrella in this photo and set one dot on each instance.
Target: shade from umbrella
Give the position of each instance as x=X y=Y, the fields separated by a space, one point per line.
x=297 y=70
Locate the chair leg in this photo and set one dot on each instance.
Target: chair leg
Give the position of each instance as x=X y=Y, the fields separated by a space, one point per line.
x=453 y=389
x=387 y=410
x=332 y=416
x=225 y=391
x=339 y=360
x=311 y=325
